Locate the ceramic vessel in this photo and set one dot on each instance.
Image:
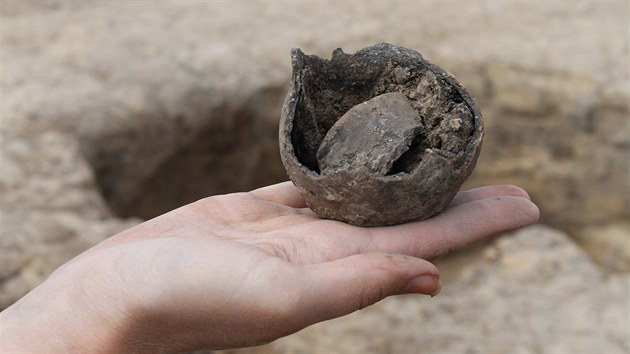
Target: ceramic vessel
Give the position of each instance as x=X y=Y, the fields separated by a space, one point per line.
x=379 y=137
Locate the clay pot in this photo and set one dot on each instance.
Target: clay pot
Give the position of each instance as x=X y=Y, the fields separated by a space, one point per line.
x=380 y=137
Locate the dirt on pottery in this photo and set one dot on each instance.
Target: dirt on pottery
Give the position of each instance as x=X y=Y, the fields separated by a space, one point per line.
x=115 y=112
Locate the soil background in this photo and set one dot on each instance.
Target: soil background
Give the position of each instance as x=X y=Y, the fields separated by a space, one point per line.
x=113 y=112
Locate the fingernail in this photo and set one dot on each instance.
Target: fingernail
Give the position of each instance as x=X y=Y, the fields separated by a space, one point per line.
x=427 y=284
x=439 y=287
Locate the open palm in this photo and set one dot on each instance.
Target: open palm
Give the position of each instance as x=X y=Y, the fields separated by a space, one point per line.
x=247 y=268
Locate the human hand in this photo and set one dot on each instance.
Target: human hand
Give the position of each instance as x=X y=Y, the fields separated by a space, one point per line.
x=244 y=269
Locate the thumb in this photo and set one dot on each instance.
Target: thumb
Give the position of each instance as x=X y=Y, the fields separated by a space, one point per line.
x=345 y=285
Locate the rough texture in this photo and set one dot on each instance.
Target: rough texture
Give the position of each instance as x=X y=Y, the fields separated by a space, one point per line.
x=389 y=187
x=51 y=210
x=533 y=291
x=119 y=108
x=145 y=95
x=371 y=135
x=608 y=245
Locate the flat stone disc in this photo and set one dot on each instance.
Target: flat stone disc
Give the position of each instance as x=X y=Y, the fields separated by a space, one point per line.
x=371 y=135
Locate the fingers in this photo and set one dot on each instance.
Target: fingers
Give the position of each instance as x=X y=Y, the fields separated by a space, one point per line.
x=282 y=193
x=457 y=227
x=287 y=194
x=348 y=284
x=486 y=192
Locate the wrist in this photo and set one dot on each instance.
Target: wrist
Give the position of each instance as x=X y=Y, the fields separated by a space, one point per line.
x=63 y=315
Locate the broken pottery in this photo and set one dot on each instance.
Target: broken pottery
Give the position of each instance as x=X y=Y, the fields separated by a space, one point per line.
x=379 y=137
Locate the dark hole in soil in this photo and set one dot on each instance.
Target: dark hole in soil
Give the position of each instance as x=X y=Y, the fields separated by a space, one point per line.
x=150 y=170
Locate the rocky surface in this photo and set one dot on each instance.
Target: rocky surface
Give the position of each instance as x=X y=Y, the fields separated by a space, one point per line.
x=533 y=291
x=116 y=111
x=198 y=88
x=51 y=210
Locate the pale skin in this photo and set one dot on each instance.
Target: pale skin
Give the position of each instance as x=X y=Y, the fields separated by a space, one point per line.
x=240 y=270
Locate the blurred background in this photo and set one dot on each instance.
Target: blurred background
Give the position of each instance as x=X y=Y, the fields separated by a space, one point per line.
x=113 y=112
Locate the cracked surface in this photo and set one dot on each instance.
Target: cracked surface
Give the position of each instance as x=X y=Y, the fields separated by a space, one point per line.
x=379 y=137
x=370 y=135
x=331 y=88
